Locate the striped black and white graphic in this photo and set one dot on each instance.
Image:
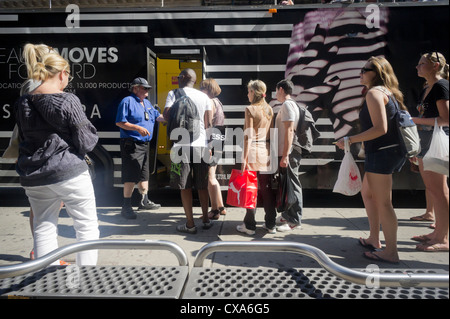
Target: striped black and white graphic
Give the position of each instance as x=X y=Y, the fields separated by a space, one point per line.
x=327 y=51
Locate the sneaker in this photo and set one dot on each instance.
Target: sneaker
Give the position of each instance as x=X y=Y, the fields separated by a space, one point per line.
x=280 y=220
x=243 y=229
x=184 y=229
x=270 y=230
x=287 y=227
x=149 y=205
x=207 y=225
x=128 y=212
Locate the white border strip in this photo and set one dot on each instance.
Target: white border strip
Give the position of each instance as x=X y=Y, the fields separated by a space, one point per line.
x=174 y=15
x=9 y=17
x=65 y=30
x=247 y=68
x=229 y=81
x=253 y=27
x=220 y=41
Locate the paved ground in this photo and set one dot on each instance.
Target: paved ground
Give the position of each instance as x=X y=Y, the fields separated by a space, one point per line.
x=333 y=230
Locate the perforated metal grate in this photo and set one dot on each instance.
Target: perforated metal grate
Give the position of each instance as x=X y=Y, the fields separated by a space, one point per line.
x=311 y=283
x=100 y=282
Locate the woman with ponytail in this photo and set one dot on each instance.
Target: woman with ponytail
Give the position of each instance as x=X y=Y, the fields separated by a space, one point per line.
x=433 y=106
x=56 y=135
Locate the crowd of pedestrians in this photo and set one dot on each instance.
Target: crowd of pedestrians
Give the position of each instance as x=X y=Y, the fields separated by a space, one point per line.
x=53 y=169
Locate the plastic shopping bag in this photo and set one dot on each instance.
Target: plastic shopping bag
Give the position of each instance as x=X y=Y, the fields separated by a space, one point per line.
x=436 y=158
x=242 y=189
x=349 y=178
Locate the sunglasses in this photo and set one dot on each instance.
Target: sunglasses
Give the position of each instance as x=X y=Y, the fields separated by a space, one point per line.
x=364 y=70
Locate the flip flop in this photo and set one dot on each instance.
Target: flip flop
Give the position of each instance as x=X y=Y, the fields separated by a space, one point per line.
x=363 y=243
x=420 y=238
x=431 y=248
x=421 y=219
x=374 y=257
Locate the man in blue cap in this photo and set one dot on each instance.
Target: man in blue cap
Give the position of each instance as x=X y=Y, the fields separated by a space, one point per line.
x=136 y=118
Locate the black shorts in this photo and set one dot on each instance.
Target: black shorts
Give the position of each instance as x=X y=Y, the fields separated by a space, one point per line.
x=135 y=160
x=190 y=172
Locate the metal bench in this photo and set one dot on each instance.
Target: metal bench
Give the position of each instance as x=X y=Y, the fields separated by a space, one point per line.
x=332 y=282
x=33 y=279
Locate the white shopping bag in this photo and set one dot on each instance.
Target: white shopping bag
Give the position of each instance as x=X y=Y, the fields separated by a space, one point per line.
x=436 y=158
x=349 y=179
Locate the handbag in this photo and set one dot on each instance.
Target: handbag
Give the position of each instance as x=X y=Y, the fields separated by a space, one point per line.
x=349 y=181
x=409 y=136
x=90 y=163
x=242 y=189
x=436 y=158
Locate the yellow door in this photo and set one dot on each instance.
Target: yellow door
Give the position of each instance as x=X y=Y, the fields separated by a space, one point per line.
x=167 y=79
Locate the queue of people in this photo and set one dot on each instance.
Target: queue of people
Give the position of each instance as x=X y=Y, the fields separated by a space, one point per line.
x=52 y=168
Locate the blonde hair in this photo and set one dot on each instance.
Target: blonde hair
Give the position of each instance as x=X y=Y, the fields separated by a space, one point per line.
x=436 y=57
x=211 y=87
x=259 y=88
x=43 y=62
x=386 y=77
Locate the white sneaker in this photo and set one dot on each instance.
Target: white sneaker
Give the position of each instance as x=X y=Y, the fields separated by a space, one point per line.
x=280 y=220
x=243 y=229
x=270 y=230
x=287 y=227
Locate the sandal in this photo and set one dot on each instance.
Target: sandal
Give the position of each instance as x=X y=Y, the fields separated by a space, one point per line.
x=432 y=247
x=421 y=219
x=421 y=238
x=363 y=243
x=373 y=257
x=214 y=214
x=222 y=211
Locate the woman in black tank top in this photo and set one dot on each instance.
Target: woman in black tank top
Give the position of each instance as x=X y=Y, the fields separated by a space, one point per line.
x=383 y=155
x=434 y=105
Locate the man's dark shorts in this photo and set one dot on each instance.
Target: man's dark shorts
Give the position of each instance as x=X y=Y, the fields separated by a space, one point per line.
x=135 y=160
x=192 y=172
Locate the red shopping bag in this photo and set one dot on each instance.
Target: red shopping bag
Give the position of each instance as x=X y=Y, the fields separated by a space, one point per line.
x=242 y=189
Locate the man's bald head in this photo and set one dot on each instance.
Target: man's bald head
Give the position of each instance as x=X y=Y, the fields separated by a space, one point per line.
x=187 y=78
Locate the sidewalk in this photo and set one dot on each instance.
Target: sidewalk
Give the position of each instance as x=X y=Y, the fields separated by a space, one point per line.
x=333 y=230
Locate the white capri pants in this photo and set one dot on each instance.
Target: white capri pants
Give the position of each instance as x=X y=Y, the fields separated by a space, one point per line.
x=79 y=198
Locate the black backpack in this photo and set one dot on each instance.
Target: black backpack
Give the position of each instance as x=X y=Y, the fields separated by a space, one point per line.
x=306 y=132
x=183 y=114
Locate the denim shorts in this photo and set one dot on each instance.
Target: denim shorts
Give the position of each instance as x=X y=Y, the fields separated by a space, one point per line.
x=385 y=161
